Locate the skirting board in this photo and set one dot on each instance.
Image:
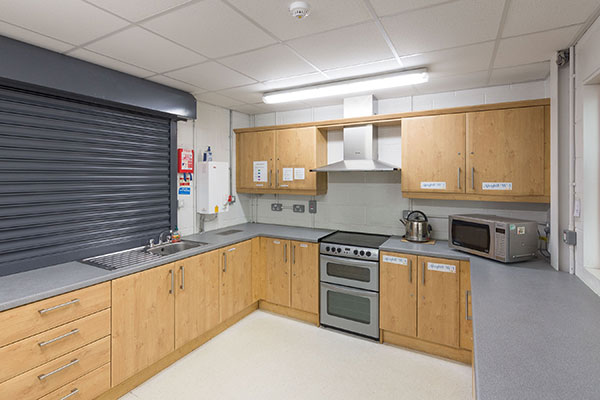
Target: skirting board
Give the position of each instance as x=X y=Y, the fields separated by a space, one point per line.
x=460 y=355
x=289 y=312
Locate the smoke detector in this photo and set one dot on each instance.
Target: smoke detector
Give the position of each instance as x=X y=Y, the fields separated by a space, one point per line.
x=299 y=9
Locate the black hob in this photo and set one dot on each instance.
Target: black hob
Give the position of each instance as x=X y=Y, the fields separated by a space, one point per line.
x=353 y=244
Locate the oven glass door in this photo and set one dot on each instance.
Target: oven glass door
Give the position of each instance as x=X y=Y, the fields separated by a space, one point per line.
x=471 y=235
x=350 y=272
x=353 y=310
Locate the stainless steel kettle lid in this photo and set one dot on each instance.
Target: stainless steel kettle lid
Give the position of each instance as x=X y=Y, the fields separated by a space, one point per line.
x=416 y=216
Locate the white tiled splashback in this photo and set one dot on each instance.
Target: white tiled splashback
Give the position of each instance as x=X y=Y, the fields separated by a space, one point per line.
x=373 y=202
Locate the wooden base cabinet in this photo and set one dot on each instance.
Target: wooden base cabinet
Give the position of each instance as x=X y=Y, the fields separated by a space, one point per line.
x=235 y=278
x=398 y=293
x=466 y=318
x=277 y=260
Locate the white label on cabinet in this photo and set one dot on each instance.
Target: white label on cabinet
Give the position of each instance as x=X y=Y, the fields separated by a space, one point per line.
x=303 y=245
x=288 y=174
x=433 y=185
x=395 y=260
x=276 y=242
x=441 y=267
x=496 y=185
x=260 y=173
x=299 y=174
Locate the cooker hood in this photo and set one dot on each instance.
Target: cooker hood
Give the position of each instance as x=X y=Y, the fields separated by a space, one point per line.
x=360 y=142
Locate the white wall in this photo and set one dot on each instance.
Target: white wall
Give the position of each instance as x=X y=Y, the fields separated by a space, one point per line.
x=212 y=127
x=373 y=202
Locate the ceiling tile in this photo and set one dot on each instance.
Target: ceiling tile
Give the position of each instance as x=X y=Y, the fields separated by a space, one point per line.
x=388 y=7
x=72 y=21
x=211 y=28
x=520 y=73
x=249 y=109
x=455 y=61
x=107 y=62
x=299 y=80
x=344 y=47
x=532 y=48
x=527 y=16
x=247 y=94
x=24 y=35
x=449 y=25
x=136 y=10
x=439 y=84
x=269 y=63
x=363 y=69
x=274 y=15
x=174 y=83
x=217 y=100
x=211 y=76
x=146 y=50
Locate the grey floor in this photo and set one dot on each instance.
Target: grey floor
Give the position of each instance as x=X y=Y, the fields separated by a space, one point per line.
x=265 y=356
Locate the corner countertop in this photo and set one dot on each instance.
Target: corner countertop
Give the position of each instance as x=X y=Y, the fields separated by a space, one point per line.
x=30 y=286
x=535 y=329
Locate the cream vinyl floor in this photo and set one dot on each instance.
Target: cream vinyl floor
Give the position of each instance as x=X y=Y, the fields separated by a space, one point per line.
x=265 y=356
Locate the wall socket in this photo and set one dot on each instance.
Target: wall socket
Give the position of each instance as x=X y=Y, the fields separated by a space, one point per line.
x=312 y=206
x=298 y=208
x=276 y=207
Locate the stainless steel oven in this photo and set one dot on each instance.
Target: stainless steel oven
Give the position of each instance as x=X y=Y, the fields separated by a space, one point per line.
x=359 y=274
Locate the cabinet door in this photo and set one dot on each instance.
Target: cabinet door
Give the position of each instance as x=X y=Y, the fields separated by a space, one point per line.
x=143 y=320
x=298 y=151
x=277 y=254
x=466 y=322
x=305 y=276
x=197 y=296
x=438 y=289
x=254 y=147
x=506 y=152
x=236 y=278
x=433 y=154
x=398 y=293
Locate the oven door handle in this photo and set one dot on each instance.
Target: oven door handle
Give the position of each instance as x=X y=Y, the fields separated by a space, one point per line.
x=349 y=261
x=347 y=290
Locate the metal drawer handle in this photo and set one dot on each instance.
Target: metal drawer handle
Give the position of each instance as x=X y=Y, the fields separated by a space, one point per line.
x=410 y=271
x=182 y=269
x=73 y=392
x=467 y=316
x=68 y=303
x=473 y=178
x=42 y=344
x=423 y=273
x=294 y=254
x=270 y=178
x=459 y=177
x=172 y=282
x=44 y=376
x=285 y=253
x=224 y=262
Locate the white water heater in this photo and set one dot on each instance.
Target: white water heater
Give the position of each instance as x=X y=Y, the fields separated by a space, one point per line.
x=212 y=187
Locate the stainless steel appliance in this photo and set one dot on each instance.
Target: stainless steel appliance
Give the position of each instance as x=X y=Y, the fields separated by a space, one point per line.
x=499 y=238
x=349 y=275
x=417 y=227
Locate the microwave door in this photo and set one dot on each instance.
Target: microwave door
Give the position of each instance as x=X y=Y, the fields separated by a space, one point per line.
x=471 y=235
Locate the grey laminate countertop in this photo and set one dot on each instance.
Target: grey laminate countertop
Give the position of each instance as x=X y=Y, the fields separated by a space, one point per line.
x=30 y=286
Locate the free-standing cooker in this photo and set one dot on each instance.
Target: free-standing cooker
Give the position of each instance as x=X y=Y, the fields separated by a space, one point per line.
x=349 y=280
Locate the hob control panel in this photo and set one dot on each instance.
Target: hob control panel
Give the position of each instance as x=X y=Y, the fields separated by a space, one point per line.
x=364 y=253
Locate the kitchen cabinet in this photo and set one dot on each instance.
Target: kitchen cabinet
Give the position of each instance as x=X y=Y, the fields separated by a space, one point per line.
x=433 y=154
x=143 y=318
x=305 y=276
x=506 y=152
x=235 y=278
x=466 y=316
x=197 y=296
x=438 y=302
x=398 y=293
x=277 y=255
x=289 y=154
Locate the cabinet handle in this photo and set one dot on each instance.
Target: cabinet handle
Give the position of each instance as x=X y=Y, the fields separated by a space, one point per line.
x=270 y=178
x=410 y=271
x=172 y=282
x=277 y=177
x=467 y=316
x=458 y=177
x=473 y=178
x=73 y=392
x=47 y=342
x=224 y=262
x=44 y=376
x=423 y=273
x=285 y=252
x=294 y=254
x=68 y=303
x=182 y=269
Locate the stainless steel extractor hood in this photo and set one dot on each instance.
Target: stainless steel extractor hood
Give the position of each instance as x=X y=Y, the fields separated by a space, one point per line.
x=360 y=142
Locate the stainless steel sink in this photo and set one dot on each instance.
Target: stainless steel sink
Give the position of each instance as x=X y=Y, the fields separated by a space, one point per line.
x=172 y=248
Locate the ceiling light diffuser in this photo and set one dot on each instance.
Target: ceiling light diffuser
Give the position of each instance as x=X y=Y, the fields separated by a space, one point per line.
x=349 y=86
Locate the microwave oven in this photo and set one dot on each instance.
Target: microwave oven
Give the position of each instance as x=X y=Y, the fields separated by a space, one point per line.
x=503 y=239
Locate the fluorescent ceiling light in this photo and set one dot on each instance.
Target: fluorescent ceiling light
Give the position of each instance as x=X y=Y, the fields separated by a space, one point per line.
x=349 y=86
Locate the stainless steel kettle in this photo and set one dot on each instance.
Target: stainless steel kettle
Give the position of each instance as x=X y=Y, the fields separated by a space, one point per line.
x=417 y=227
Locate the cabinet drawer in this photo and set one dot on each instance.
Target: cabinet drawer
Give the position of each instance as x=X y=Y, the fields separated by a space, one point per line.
x=48 y=377
x=36 y=350
x=88 y=387
x=40 y=316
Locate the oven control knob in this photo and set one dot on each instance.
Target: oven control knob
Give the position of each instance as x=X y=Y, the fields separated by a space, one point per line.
x=339 y=249
x=327 y=248
x=362 y=253
x=368 y=254
x=355 y=252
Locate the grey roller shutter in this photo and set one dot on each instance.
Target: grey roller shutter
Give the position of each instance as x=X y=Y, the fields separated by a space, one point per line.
x=79 y=179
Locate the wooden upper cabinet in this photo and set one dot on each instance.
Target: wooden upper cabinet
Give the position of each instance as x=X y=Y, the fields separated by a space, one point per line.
x=433 y=154
x=305 y=276
x=254 y=147
x=235 y=279
x=506 y=152
x=398 y=293
x=277 y=259
x=290 y=155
